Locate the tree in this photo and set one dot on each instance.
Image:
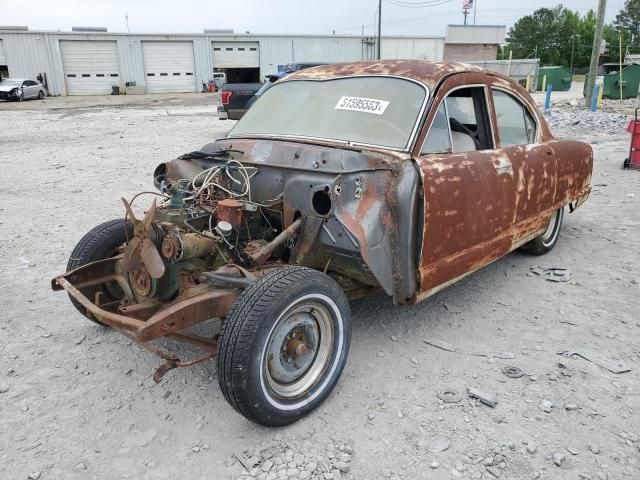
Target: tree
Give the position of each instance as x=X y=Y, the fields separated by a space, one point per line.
x=553 y=35
x=628 y=22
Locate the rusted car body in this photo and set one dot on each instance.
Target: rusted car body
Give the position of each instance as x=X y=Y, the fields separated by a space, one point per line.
x=406 y=220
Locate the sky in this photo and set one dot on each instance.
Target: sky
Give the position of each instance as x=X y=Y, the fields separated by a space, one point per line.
x=272 y=16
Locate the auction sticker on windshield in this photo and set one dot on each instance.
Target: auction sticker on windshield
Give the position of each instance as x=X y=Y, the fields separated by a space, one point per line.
x=361 y=104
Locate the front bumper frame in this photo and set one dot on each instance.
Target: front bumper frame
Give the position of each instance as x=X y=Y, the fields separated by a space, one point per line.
x=142 y=325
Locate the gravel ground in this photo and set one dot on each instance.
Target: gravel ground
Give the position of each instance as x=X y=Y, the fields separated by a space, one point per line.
x=78 y=402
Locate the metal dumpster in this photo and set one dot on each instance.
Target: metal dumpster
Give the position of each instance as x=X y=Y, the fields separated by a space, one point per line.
x=559 y=78
x=611 y=81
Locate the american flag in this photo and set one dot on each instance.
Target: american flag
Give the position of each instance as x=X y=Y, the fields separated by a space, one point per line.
x=467 y=4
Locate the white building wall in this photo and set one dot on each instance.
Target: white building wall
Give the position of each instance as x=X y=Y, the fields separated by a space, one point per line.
x=29 y=53
x=470 y=34
x=407 y=48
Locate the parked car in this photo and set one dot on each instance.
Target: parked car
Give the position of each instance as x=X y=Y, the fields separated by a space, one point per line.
x=393 y=178
x=19 y=89
x=235 y=102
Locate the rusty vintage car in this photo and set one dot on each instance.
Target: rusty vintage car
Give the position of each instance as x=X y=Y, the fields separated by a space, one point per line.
x=389 y=178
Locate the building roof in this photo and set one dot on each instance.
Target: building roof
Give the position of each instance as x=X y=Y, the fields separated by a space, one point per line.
x=422 y=71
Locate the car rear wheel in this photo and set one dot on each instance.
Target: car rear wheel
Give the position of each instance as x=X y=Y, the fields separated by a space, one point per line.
x=545 y=242
x=284 y=345
x=40 y=94
x=99 y=243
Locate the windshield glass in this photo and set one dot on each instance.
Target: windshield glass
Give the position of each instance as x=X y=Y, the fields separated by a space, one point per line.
x=11 y=83
x=372 y=110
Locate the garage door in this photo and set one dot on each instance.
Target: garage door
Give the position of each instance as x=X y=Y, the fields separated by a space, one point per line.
x=236 y=55
x=169 y=67
x=3 y=59
x=90 y=67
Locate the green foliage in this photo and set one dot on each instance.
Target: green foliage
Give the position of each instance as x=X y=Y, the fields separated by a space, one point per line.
x=628 y=21
x=559 y=36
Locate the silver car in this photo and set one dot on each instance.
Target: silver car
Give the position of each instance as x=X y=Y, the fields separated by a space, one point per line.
x=19 y=89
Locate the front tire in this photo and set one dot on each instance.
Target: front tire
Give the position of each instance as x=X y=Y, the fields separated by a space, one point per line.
x=284 y=345
x=545 y=242
x=99 y=243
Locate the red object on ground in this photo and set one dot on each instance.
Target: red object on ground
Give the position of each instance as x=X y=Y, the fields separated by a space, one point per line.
x=634 y=151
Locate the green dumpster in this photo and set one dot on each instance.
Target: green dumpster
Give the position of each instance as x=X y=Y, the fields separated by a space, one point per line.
x=611 y=81
x=558 y=77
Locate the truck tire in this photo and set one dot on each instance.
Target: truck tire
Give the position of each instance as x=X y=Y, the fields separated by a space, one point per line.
x=545 y=242
x=99 y=243
x=283 y=345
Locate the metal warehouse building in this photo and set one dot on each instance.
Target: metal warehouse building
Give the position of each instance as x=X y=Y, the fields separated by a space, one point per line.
x=90 y=61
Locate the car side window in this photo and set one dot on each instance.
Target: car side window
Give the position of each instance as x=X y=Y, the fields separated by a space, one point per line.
x=515 y=124
x=29 y=83
x=438 y=139
x=467 y=124
x=469 y=120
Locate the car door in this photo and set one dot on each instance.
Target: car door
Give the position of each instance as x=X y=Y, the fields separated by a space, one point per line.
x=468 y=185
x=519 y=135
x=28 y=89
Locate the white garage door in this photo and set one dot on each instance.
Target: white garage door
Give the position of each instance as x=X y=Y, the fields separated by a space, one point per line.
x=3 y=59
x=90 y=67
x=236 y=55
x=169 y=67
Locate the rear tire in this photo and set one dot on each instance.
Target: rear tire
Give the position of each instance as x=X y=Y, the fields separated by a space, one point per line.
x=284 y=345
x=41 y=94
x=545 y=242
x=99 y=243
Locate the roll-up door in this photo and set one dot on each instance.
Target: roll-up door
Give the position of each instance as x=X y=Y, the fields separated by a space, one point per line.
x=236 y=55
x=90 y=67
x=169 y=67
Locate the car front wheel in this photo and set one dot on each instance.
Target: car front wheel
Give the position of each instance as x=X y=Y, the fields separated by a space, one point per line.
x=99 y=243
x=284 y=345
x=545 y=242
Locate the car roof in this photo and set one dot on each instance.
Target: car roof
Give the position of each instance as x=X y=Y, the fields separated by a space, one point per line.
x=423 y=71
x=15 y=79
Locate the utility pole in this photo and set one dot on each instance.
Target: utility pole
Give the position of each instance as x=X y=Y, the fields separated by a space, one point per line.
x=475 y=9
x=573 y=49
x=379 y=27
x=595 y=52
x=466 y=12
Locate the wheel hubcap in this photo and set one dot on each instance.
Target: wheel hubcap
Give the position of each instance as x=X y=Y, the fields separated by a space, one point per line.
x=299 y=349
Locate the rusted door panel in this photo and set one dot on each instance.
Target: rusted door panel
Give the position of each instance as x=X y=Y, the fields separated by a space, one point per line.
x=468 y=213
x=534 y=174
x=574 y=163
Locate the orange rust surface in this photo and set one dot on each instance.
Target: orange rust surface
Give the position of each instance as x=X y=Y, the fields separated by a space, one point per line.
x=475 y=211
x=423 y=71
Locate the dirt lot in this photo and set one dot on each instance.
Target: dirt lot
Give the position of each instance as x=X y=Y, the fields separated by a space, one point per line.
x=77 y=401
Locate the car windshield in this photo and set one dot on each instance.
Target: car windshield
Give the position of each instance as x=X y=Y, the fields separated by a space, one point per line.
x=379 y=111
x=10 y=82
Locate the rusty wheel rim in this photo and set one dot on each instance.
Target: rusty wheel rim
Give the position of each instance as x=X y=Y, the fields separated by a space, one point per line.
x=298 y=350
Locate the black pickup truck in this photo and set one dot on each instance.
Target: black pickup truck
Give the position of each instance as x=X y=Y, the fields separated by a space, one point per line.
x=234 y=98
x=237 y=98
